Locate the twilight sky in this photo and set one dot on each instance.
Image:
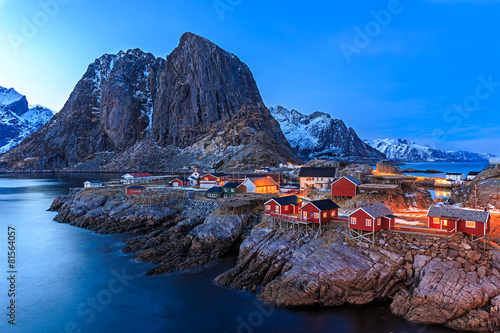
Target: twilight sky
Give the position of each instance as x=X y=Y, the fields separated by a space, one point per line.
x=425 y=70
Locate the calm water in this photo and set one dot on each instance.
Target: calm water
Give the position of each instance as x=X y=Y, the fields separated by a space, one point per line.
x=444 y=167
x=67 y=280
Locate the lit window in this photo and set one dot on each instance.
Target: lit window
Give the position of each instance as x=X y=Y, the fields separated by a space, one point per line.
x=436 y=220
x=286 y=208
x=470 y=224
x=325 y=214
x=277 y=209
x=268 y=207
x=333 y=213
x=379 y=222
x=316 y=215
x=305 y=215
x=353 y=220
x=445 y=223
x=368 y=222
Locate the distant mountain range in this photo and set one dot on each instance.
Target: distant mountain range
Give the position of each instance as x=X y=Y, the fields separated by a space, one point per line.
x=408 y=151
x=320 y=136
x=17 y=119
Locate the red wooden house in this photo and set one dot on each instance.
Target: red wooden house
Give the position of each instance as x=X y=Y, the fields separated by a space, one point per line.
x=210 y=180
x=135 y=190
x=345 y=187
x=180 y=182
x=372 y=218
x=454 y=219
x=289 y=205
x=320 y=211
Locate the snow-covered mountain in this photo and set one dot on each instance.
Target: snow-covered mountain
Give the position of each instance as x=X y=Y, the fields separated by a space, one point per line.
x=408 y=151
x=17 y=119
x=319 y=136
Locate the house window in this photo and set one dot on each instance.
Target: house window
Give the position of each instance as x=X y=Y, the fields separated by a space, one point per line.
x=470 y=224
x=304 y=215
x=379 y=222
x=333 y=213
x=369 y=222
x=286 y=208
x=436 y=220
x=445 y=223
x=325 y=214
x=316 y=215
x=232 y=190
x=268 y=207
x=353 y=220
x=278 y=209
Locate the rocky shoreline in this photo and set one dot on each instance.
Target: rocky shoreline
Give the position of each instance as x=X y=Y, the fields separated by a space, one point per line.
x=427 y=280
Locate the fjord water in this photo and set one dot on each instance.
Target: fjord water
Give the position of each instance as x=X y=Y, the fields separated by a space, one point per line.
x=62 y=270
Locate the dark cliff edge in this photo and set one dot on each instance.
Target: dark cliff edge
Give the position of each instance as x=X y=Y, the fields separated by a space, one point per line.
x=134 y=111
x=427 y=280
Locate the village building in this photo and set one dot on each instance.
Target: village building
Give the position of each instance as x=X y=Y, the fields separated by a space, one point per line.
x=229 y=189
x=132 y=178
x=93 y=183
x=210 y=180
x=320 y=211
x=317 y=178
x=263 y=185
x=214 y=193
x=135 y=190
x=472 y=175
x=289 y=205
x=195 y=176
x=366 y=221
x=453 y=219
x=181 y=182
x=456 y=177
x=345 y=187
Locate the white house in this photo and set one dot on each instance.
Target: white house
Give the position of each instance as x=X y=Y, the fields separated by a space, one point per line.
x=317 y=178
x=263 y=185
x=92 y=183
x=457 y=177
x=472 y=175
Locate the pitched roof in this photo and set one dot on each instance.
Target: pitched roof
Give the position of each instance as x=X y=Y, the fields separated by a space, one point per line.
x=351 y=179
x=289 y=200
x=217 y=174
x=325 y=204
x=326 y=172
x=264 y=181
x=231 y=185
x=474 y=173
x=135 y=188
x=459 y=213
x=454 y=173
x=378 y=210
x=215 y=190
x=184 y=179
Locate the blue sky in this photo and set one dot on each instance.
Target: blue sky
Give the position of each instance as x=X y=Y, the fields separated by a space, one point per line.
x=426 y=70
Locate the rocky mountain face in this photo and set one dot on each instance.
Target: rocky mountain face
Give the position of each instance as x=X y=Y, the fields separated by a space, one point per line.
x=201 y=105
x=408 y=151
x=17 y=119
x=319 y=136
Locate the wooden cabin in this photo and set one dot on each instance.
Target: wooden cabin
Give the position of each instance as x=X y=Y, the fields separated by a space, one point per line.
x=316 y=178
x=468 y=221
x=210 y=180
x=319 y=211
x=181 y=182
x=92 y=183
x=135 y=190
x=229 y=189
x=214 y=193
x=288 y=205
x=263 y=185
x=345 y=187
x=372 y=218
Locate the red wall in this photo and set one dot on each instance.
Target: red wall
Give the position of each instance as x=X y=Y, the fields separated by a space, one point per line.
x=361 y=218
x=311 y=209
x=478 y=230
x=291 y=208
x=209 y=178
x=179 y=183
x=343 y=188
x=451 y=224
x=388 y=223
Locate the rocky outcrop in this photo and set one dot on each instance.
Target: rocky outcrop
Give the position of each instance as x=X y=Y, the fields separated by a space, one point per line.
x=319 y=136
x=430 y=280
x=199 y=106
x=486 y=188
x=386 y=167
